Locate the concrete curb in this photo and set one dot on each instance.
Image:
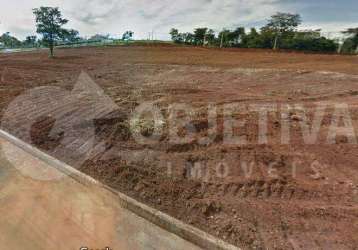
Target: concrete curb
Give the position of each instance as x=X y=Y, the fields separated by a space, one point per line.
x=168 y=223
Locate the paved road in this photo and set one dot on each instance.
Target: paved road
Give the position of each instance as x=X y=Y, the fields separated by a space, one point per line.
x=65 y=214
x=8 y=51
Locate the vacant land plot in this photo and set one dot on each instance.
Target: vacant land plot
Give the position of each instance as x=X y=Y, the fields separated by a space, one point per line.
x=278 y=189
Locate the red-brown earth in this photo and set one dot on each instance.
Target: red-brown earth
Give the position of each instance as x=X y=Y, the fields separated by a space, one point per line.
x=271 y=195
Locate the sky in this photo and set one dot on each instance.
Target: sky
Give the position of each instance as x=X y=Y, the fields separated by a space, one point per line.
x=159 y=16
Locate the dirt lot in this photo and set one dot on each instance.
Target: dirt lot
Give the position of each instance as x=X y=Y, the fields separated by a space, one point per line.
x=273 y=194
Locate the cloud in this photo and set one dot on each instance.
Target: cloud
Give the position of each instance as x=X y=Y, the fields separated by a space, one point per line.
x=143 y=16
x=93 y=12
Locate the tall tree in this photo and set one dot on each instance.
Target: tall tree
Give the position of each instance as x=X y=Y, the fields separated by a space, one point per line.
x=176 y=36
x=210 y=37
x=282 y=23
x=49 y=22
x=238 y=34
x=224 y=37
x=200 y=35
x=253 y=40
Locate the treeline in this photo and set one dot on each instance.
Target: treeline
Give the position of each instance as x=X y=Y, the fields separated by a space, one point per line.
x=350 y=45
x=6 y=40
x=72 y=37
x=50 y=26
x=279 y=33
x=68 y=37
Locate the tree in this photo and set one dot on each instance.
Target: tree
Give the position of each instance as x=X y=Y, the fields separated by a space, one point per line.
x=228 y=38
x=200 y=35
x=188 y=38
x=252 y=40
x=282 y=23
x=49 y=24
x=223 y=36
x=176 y=36
x=128 y=35
x=30 y=41
x=9 y=41
x=238 y=35
x=71 y=36
x=311 y=40
x=210 y=37
x=352 y=32
x=351 y=43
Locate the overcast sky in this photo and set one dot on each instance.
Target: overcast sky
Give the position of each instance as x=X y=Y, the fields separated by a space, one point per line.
x=143 y=16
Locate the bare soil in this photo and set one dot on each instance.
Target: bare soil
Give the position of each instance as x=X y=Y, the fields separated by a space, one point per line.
x=294 y=196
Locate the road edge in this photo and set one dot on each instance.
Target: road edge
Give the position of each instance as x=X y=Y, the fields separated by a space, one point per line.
x=164 y=221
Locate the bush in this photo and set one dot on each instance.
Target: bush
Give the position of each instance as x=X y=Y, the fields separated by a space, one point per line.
x=320 y=44
x=349 y=46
